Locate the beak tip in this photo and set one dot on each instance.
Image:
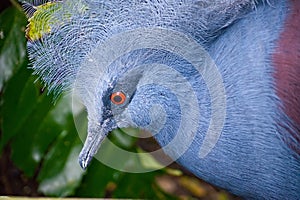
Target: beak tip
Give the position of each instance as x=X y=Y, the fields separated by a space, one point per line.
x=84 y=161
x=95 y=136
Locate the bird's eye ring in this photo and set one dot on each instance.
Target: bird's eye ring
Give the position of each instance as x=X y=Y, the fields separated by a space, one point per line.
x=118 y=98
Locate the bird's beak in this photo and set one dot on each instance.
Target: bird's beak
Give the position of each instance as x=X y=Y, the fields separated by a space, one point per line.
x=96 y=134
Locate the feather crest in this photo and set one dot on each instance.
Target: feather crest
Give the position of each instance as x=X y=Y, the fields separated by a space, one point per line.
x=61 y=34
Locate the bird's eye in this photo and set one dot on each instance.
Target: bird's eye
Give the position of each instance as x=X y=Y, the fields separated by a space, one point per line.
x=118 y=98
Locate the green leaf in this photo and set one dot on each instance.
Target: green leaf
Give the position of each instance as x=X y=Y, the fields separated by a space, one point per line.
x=12 y=42
x=141 y=186
x=23 y=106
x=12 y=58
x=60 y=177
x=148 y=161
x=99 y=178
x=60 y=173
x=96 y=180
x=123 y=137
x=38 y=131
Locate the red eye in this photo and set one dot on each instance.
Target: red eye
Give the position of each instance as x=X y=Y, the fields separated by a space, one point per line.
x=118 y=98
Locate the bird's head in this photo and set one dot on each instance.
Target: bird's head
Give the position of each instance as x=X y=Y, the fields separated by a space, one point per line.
x=154 y=79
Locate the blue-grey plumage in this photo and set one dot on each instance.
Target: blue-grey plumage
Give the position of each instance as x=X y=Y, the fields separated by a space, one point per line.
x=163 y=92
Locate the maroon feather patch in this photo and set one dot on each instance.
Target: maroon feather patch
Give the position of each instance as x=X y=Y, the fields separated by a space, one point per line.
x=286 y=60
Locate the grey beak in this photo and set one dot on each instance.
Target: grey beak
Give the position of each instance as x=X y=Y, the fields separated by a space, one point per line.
x=96 y=134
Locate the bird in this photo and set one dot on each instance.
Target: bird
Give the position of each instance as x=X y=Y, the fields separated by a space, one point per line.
x=215 y=82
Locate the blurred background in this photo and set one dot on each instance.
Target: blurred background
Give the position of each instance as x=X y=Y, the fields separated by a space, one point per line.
x=39 y=142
